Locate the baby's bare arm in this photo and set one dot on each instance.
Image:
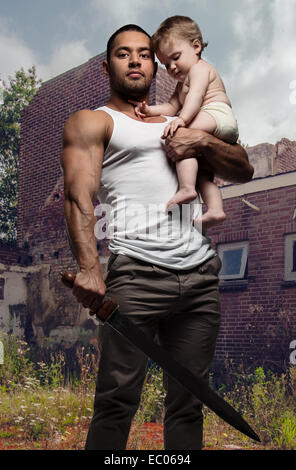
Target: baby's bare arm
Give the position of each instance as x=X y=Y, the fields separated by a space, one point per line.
x=199 y=79
x=168 y=109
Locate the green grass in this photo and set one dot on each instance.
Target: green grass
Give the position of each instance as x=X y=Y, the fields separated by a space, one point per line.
x=39 y=403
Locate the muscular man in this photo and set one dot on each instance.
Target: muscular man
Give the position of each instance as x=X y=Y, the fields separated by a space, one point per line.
x=164 y=279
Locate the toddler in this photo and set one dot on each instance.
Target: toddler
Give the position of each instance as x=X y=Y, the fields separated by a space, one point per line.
x=201 y=98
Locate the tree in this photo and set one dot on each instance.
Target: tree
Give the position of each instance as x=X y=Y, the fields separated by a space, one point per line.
x=16 y=95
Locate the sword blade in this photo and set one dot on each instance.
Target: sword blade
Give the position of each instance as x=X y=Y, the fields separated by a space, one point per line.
x=193 y=383
x=110 y=314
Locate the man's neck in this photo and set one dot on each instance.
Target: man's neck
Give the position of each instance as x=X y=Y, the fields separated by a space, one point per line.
x=117 y=103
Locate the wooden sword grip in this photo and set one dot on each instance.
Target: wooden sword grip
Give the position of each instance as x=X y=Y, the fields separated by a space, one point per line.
x=104 y=311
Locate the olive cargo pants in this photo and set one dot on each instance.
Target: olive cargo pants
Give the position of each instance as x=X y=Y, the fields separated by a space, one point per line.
x=183 y=308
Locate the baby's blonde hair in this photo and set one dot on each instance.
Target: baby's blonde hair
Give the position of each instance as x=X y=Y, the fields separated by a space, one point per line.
x=181 y=27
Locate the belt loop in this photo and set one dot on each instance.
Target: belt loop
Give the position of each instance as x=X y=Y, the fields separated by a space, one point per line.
x=111 y=260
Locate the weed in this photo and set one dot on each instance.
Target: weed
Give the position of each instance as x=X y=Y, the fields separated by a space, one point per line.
x=285 y=427
x=151 y=404
x=37 y=401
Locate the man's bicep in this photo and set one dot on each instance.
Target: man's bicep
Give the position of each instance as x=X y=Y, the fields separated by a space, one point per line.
x=82 y=157
x=82 y=171
x=229 y=161
x=241 y=152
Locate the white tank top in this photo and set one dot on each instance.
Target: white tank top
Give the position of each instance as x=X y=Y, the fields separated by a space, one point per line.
x=137 y=181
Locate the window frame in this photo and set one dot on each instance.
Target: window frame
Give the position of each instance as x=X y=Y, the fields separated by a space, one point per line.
x=289 y=275
x=222 y=247
x=2 y=286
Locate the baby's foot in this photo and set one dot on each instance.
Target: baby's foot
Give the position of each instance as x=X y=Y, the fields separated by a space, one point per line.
x=209 y=219
x=184 y=195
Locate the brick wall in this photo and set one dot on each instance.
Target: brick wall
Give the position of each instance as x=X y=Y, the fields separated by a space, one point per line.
x=40 y=179
x=165 y=86
x=251 y=315
x=12 y=255
x=285 y=156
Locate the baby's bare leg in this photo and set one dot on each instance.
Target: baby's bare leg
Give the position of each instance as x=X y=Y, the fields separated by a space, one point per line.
x=204 y=122
x=211 y=196
x=187 y=168
x=209 y=192
x=186 y=171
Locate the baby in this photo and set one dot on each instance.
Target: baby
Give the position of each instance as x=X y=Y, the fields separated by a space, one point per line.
x=201 y=98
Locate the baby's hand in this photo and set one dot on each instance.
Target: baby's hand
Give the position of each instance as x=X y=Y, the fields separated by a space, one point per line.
x=172 y=127
x=141 y=108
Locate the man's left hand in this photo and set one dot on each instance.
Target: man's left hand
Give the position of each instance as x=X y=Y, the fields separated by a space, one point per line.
x=186 y=143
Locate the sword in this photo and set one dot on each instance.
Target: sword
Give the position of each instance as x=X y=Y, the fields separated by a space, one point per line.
x=109 y=313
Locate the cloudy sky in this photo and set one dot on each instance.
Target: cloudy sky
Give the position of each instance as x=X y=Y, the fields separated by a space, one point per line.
x=252 y=43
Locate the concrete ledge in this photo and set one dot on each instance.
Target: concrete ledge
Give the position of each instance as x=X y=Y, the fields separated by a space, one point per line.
x=259 y=184
x=22 y=269
x=233 y=286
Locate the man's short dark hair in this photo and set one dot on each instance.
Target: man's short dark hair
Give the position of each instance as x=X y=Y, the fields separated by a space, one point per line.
x=127 y=27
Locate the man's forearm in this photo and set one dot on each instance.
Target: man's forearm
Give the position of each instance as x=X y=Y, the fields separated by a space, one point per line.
x=80 y=223
x=229 y=161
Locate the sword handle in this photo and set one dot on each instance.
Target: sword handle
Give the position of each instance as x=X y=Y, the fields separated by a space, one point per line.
x=104 y=311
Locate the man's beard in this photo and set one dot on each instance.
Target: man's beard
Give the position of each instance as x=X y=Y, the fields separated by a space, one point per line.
x=130 y=89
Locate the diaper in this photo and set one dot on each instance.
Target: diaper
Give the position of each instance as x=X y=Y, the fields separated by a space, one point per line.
x=227 y=128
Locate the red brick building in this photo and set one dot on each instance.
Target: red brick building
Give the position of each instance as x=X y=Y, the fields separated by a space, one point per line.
x=257 y=245
x=257 y=241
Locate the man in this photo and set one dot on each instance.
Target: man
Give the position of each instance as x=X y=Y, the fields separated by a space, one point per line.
x=166 y=284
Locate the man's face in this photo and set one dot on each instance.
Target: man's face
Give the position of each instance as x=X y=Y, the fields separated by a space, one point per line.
x=131 y=67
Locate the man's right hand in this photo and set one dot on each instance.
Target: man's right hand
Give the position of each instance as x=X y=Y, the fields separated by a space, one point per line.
x=184 y=144
x=89 y=289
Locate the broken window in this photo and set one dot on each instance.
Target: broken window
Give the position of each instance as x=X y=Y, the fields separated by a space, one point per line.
x=234 y=257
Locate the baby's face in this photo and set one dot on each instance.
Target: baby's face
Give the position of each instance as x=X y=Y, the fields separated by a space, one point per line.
x=178 y=56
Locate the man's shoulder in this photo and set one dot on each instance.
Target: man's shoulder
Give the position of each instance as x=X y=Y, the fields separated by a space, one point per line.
x=87 y=117
x=87 y=122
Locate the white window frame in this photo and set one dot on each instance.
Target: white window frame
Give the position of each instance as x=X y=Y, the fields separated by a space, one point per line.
x=289 y=241
x=233 y=246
